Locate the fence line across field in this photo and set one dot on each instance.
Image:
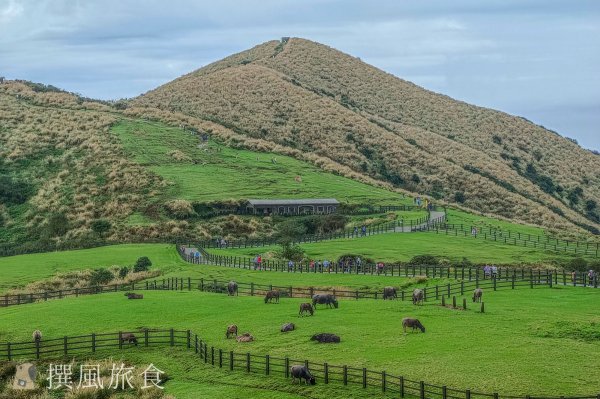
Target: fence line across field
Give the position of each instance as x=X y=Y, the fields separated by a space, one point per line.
x=561 y=276
x=462 y=287
x=388 y=384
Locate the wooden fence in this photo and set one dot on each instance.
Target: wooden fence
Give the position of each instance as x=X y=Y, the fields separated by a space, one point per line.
x=432 y=292
x=376 y=381
x=470 y=273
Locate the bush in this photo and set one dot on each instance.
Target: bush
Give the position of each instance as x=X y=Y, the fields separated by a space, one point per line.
x=180 y=209
x=142 y=264
x=58 y=225
x=101 y=226
x=123 y=272
x=14 y=191
x=291 y=252
x=577 y=264
x=428 y=260
x=459 y=197
x=101 y=277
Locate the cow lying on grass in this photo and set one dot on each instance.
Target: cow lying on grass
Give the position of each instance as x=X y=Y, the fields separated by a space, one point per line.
x=325 y=338
x=132 y=295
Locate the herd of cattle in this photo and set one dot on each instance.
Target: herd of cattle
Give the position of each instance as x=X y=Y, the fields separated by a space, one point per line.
x=299 y=372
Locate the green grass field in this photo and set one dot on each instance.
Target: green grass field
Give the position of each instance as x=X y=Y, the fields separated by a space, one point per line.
x=165 y=258
x=488 y=352
x=394 y=247
x=214 y=172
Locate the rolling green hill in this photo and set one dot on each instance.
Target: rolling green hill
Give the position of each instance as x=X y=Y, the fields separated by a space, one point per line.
x=310 y=98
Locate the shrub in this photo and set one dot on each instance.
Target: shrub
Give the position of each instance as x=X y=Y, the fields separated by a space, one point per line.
x=459 y=197
x=101 y=277
x=290 y=230
x=291 y=252
x=58 y=225
x=14 y=191
x=180 y=209
x=578 y=264
x=590 y=205
x=123 y=272
x=101 y=226
x=428 y=260
x=142 y=264
x=497 y=139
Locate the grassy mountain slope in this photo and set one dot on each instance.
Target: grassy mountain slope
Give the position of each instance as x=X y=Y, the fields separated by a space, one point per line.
x=306 y=96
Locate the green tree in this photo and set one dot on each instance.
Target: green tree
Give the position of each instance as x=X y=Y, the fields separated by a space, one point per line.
x=142 y=264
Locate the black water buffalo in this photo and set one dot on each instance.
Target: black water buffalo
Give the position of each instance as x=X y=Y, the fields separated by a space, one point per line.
x=412 y=323
x=324 y=299
x=288 y=327
x=325 y=338
x=301 y=372
x=270 y=295
x=418 y=296
x=129 y=338
x=306 y=307
x=232 y=288
x=389 y=293
x=477 y=294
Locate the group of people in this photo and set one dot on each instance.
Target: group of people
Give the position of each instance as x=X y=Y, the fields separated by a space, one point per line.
x=221 y=242
x=363 y=230
x=490 y=271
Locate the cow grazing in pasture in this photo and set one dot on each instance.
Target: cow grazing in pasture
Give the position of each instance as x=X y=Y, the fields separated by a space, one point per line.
x=477 y=294
x=132 y=295
x=36 y=336
x=306 y=307
x=325 y=338
x=389 y=293
x=412 y=323
x=130 y=338
x=324 y=299
x=418 y=296
x=245 y=337
x=272 y=295
x=231 y=331
x=301 y=372
x=287 y=327
x=232 y=288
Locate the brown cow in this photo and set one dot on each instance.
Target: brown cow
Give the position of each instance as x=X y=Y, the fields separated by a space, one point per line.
x=418 y=296
x=477 y=294
x=412 y=323
x=245 y=337
x=389 y=293
x=232 y=330
x=274 y=294
x=129 y=338
x=306 y=307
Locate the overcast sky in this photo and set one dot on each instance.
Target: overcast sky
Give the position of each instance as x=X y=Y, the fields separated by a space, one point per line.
x=537 y=59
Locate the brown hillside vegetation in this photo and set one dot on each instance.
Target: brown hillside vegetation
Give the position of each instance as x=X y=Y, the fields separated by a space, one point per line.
x=310 y=98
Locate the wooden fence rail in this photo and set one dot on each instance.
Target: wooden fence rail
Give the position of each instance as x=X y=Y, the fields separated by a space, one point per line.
x=245 y=362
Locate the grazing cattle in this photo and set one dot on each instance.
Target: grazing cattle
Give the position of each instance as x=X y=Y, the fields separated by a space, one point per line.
x=37 y=336
x=232 y=288
x=232 y=330
x=418 y=296
x=306 y=307
x=325 y=338
x=245 y=337
x=129 y=338
x=274 y=294
x=412 y=323
x=301 y=372
x=324 y=299
x=389 y=293
x=132 y=295
x=288 y=327
x=477 y=294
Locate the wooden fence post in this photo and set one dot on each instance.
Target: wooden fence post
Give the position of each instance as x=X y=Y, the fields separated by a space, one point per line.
x=465 y=303
x=93 y=343
x=326 y=373
x=220 y=358
x=422 y=390
x=172 y=337
x=401 y=386
x=383 y=381
x=286 y=366
x=66 y=345
x=267 y=365
x=482 y=308
x=364 y=377
x=345 y=375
